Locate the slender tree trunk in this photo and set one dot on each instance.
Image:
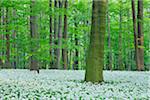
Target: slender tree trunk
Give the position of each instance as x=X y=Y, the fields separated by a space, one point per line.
x=135 y=33
x=7 y=41
x=1 y=39
x=70 y=59
x=33 y=32
x=55 y=33
x=65 y=51
x=59 y=37
x=50 y=34
x=129 y=41
x=120 y=62
x=140 y=36
x=14 y=44
x=109 y=40
x=76 y=61
x=95 y=57
x=3 y=35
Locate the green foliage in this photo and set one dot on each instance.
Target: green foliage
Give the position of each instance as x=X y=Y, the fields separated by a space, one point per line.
x=79 y=13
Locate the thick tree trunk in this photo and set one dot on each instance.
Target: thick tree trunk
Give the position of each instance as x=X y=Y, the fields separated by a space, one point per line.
x=140 y=36
x=95 y=57
x=50 y=34
x=135 y=33
x=59 y=37
x=64 y=51
x=33 y=32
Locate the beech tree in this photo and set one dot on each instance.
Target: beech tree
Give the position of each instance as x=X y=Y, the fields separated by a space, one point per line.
x=140 y=36
x=50 y=33
x=109 y=39
x=7 y=64
x=55 y=33
x=120 y=62
x=1 y=35
x=95 y=54
x=34 y=37
x=135 y=31
x=59 y=36
x=65 y=51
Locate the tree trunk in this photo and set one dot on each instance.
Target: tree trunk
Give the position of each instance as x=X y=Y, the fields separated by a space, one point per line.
x=128 y=42
x=64 y=51
x=59 y=37
x=95 y=57
x=50 y=34
x=55 y=33
x=1 y=39
x=7 y=64
x=33 y=32
x=140 y=36
x=120 y=62
x=109 y=40
x=76 y=61
x=135 y=33
x=14 y=44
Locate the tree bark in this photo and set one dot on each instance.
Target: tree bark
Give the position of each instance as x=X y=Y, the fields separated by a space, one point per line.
x=1 y=39
x=140 y=36
x=76 y=61
x=14 y=44
x=33 y=32
x=7 y=64
x=109 y=40
x=64 y=51
x=59 y=36
x=95 y=57
x=135 y=32
x=128 y=58
x=51 y=33
x=3 y=35
x=120 y=62
x=55 y=33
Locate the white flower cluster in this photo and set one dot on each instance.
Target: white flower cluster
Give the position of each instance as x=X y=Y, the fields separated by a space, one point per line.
x=67 y=84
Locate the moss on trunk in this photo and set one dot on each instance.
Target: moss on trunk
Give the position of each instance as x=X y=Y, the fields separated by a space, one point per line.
x=95 y=57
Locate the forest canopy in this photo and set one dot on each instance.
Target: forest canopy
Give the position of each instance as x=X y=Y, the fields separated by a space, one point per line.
x=57 y=43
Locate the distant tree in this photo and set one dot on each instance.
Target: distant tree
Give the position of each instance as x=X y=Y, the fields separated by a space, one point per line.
x=140 y=36
x=120 y=58
x=109 y=39
x=1 y=38
x=55 y=33
x=59 y=36
x=135 y=32
x=50 y=34
x=7 y=64
x=33 y=32
x=76 y=60
x=95 y=54
x=65 y=51
x=14 y=63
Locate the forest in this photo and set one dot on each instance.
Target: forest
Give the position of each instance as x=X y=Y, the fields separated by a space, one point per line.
x=74 y=49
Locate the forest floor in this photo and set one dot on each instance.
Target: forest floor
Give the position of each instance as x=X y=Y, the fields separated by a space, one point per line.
x=56 y=84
